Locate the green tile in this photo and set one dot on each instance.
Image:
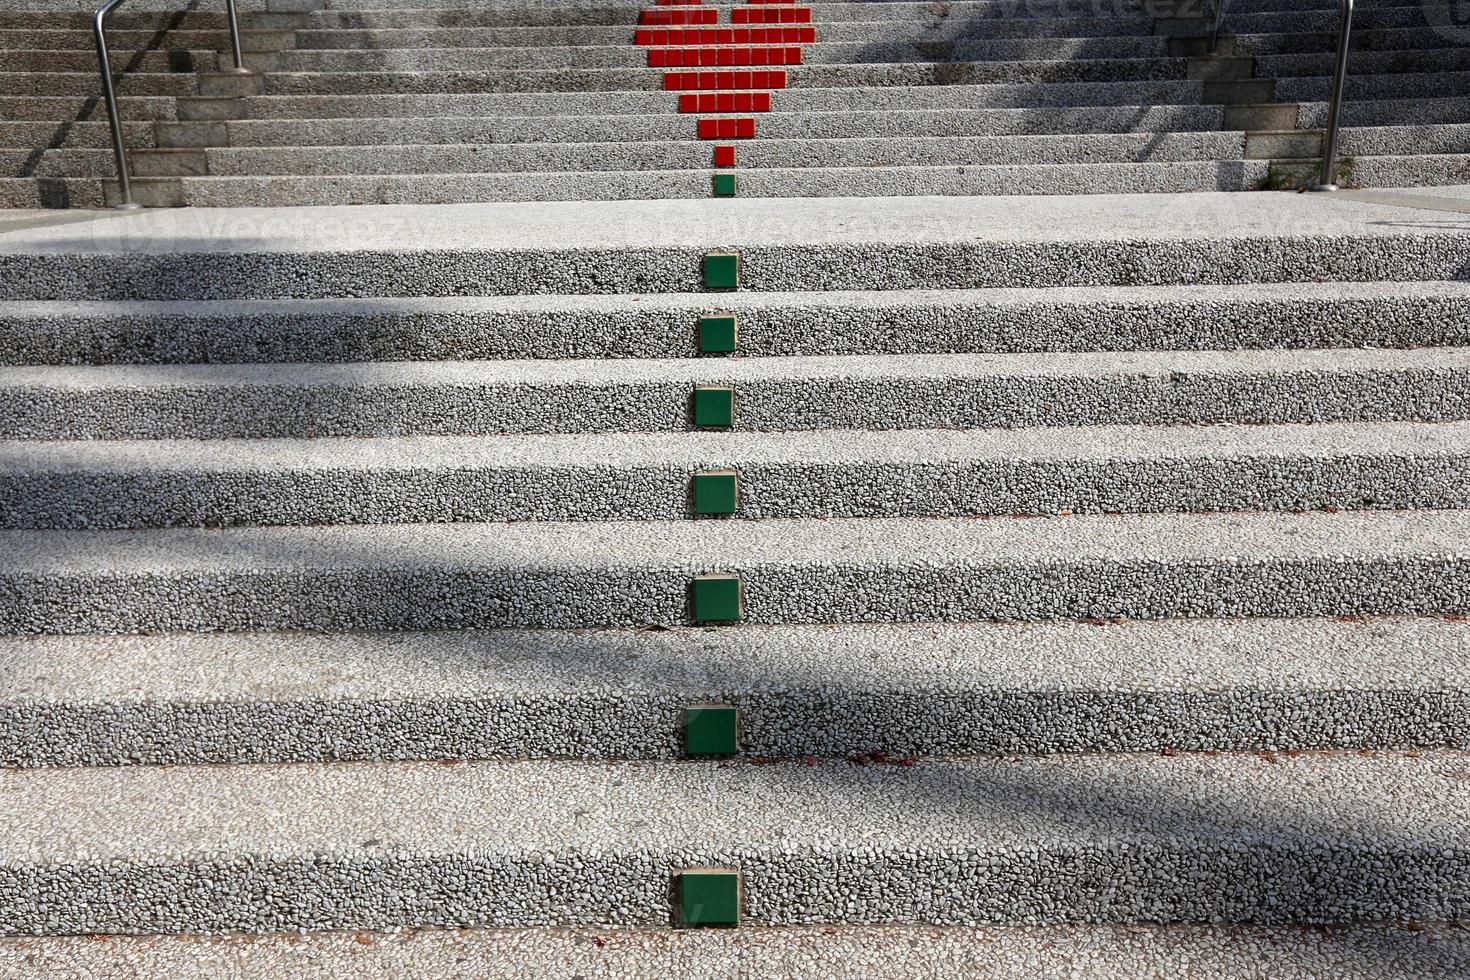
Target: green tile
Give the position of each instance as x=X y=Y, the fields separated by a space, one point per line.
x=714 y=407
x=724 y=185
x=716 y=492
x=721 y=270
x=712 y=729
x=709 y=897
x=718 y=333
x=716 y=599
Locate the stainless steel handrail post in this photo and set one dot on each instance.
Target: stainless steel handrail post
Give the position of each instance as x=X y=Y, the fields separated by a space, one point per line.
x=119 y=149
x=239 y=68
x=1215 y=28
x=1327 y=179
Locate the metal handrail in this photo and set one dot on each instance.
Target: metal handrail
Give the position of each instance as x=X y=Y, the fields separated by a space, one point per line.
x=1327 y=180
x=1215 y=27
x=119 y=148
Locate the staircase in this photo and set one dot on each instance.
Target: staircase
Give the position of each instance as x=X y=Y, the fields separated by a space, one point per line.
x=498 y=102
x=988 y=587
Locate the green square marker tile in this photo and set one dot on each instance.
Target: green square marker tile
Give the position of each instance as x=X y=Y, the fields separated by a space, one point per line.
x=724 y=185
x=716 y=492
x=714 y=407
x=716 y=599
x=712 y=729
x=721 y=270
x=718 y=333
x=709 y=897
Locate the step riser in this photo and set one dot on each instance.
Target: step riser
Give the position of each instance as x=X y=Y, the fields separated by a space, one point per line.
x=766 y=404
x=818 y=721
x=400 y=492
x=1234 y=883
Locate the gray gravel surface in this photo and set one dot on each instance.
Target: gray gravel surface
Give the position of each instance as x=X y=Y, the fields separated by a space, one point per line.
x=840 y=691
x=794 y=571
x=611 y=247
x=837 y=322
x=646 y=476
x=1275 y=840
x=854 y=391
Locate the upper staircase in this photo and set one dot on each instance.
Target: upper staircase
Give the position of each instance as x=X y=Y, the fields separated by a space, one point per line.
x=570 y=101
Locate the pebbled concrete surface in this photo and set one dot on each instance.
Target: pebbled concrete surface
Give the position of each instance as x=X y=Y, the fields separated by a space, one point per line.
x=853 y=391
x=429 y=576
x=1244 y=839
x=1394 y=952
x=1273 y=316
x=646 y=476
x=820 y=690
x=610 y=247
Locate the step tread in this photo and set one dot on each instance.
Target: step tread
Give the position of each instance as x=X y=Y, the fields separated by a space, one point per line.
x=518 y=809
x=148 y=379
x=697 y=546
x=681 y=451
x=566 y=226
x=1174 y=656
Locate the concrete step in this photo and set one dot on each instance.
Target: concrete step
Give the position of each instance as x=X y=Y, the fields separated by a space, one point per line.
x=628 y=57
x=883 y=99
x=929 y=243
x=123 y=61
x=1433 y=85
x=640 y=573
x=956 y=180
x=990 y=953
x=1035 y=688
x=1425 y=61
x=1405 y=140
x=802 y=77
x=83 y=83
x=1320 y=21
x=1316 y=43
x=51 y=193
x=57 y=110
x=665 y=155
x=183 y=482
x=128 y=44
x=774 y=394
x=850 y=31
x=775 y=126
x=69 y=162
x=1231 y=838
x=1291 y=315
x=641 y=78
x=1390 y=112
x=71 y=134
x=1424 y=170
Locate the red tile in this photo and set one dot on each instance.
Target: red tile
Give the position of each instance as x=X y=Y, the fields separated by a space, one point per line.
x=724 y=156
x=727 y=129
x=682 y=15
x=771 y=15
